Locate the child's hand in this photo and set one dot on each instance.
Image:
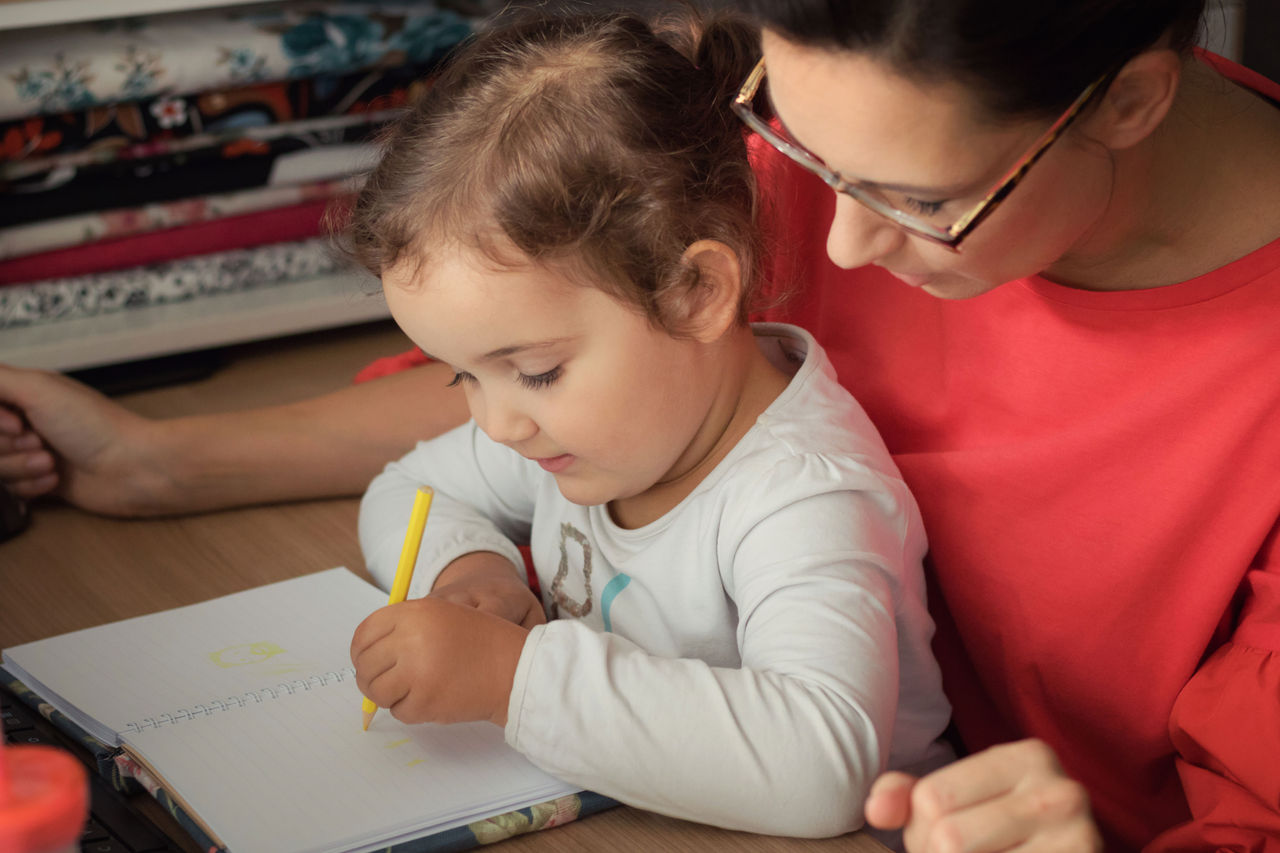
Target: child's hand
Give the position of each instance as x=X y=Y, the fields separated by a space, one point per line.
x=488 y=582
x=429 y=660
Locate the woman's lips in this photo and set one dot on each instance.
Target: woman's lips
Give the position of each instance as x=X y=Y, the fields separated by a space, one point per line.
x=913 y=280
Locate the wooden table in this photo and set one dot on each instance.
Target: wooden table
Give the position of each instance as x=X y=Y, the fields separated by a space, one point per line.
x=73 y=570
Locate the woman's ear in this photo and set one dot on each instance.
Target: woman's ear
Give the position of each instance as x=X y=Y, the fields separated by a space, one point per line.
x=711 y=305
x=1137 y=100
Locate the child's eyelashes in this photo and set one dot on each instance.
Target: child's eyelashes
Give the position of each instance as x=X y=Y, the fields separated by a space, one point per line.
x=541 y=380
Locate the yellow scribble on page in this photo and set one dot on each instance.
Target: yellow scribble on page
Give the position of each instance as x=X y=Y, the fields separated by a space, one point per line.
x=245 y=654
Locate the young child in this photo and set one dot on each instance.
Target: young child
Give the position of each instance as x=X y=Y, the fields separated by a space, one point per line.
x=729 y=559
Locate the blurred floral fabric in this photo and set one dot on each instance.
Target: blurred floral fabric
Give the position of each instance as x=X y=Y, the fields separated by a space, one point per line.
x=73 y=67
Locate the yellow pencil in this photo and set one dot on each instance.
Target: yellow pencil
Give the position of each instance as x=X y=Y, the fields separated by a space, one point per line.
x=404 y=569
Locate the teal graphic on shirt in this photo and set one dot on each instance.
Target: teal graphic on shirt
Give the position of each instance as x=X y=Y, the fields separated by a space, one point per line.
x=611 y=590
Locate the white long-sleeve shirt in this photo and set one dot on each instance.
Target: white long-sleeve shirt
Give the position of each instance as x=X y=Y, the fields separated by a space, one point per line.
x=753 y=658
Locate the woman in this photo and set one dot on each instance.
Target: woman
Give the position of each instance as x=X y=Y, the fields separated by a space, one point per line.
x=1071 y=347
x=1092 y=438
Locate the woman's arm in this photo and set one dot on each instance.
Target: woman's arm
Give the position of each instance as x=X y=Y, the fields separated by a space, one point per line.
x=1225 y=727
x=58 y=436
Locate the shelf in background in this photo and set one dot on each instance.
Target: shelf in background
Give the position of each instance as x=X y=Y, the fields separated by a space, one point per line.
x=210 y=321
x=15 y=14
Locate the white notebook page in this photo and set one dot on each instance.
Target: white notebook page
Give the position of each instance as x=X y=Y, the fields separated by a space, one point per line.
x=305 y=777
x=166 y=666
x=247 y=708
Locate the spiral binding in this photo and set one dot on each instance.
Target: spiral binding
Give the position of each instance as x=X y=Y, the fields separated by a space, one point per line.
x=251 y=697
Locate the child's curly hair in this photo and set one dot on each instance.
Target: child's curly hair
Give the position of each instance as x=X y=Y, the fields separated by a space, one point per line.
x=597 y=139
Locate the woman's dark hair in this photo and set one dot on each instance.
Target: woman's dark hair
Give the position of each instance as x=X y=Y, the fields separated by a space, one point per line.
x=594 y=138
x=1020 y=57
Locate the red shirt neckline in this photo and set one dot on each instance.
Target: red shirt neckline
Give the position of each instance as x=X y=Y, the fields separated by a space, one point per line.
x=1212 y=284
x=1202 y=288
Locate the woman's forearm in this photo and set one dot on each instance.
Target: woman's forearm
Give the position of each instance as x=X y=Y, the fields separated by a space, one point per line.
x=325 y=446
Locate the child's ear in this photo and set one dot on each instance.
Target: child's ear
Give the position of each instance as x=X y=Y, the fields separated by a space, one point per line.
x=1137 y=100
x=711 y=307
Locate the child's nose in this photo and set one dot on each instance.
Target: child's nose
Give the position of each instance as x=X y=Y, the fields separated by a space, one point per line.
x=502 y=421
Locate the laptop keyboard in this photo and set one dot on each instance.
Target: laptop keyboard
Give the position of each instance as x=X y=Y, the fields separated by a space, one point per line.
x=115 y=825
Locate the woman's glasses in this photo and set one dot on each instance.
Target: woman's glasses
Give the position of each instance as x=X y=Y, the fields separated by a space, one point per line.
x=925 y=218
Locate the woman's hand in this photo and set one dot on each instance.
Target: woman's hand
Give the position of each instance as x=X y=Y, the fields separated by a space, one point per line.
x=58 y=436
x=430 y=660
x=488 y=582
x=1010 y=796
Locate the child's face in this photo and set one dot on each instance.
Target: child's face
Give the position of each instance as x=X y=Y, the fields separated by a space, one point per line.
x=559 y=371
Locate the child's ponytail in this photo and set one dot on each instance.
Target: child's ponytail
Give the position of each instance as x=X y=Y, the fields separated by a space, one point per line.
x=727 y=50
x=722 y=47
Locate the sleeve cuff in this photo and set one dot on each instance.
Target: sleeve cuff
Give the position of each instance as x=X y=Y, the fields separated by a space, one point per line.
x=520 y=684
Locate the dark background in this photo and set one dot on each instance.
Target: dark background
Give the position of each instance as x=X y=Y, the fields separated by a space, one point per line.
x=1259 y=39
x=1262 y=37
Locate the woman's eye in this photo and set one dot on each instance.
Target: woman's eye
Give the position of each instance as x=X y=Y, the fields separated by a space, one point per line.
x=542 y=380
x=926 y=208
x=460 y=377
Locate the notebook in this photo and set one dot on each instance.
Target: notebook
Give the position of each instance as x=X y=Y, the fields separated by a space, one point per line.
x=244 y=712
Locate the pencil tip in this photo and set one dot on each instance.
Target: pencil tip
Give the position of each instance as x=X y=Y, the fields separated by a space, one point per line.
x=368 y=718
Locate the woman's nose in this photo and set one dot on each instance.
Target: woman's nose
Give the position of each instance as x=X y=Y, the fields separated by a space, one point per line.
x=859 y=236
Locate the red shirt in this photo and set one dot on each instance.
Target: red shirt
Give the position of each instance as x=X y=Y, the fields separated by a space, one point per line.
x=1099 y=475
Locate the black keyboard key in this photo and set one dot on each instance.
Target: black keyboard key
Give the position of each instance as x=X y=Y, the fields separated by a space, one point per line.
x=13 y=722
x=93 y=831
x=107 y=845
x=36 y=736
x=16 y=715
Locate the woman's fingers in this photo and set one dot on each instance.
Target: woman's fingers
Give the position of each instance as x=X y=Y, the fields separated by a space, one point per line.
x=1012 y=796
x=889 y=802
